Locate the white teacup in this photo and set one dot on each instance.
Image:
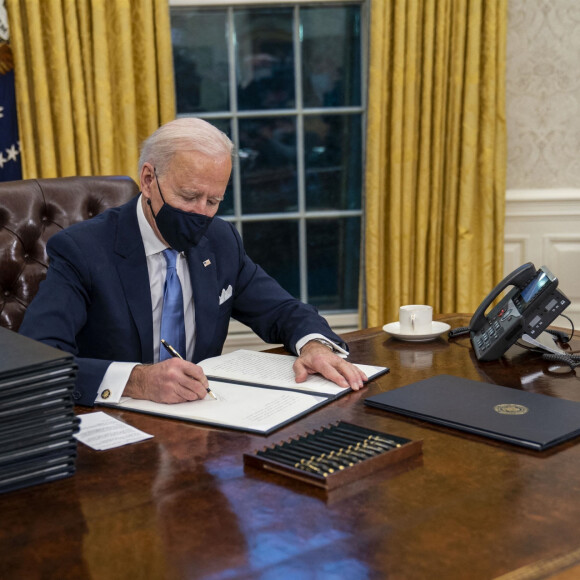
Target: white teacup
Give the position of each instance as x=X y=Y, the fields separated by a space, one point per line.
x=415 y=319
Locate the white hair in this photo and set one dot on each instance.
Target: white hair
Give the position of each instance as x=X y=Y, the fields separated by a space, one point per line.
x=183 y=134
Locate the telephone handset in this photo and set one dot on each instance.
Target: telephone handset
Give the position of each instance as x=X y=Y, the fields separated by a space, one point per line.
x=529 y=308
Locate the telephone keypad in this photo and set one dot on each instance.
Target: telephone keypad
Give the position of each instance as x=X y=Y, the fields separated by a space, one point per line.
x=488 y=337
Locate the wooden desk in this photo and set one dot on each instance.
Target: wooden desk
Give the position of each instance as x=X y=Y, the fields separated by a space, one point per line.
x=180 y=505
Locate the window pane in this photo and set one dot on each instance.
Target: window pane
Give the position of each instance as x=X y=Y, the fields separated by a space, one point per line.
x=274 y=246
x=200 y=60
x=265 y=58
x=331 y=56
x=333 y=263
x=268 y=164
x=333 y=161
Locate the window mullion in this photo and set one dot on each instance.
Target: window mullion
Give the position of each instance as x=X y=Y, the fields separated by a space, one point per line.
x=302 y=238
x=237 y=182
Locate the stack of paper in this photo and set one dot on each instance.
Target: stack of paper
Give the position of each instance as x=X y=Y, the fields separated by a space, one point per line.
x=37 y=421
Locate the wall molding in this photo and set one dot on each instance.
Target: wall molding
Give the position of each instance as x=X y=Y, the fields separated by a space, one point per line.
x=542 y=202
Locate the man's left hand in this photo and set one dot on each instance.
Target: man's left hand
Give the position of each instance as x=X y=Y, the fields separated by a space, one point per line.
x=315 y=357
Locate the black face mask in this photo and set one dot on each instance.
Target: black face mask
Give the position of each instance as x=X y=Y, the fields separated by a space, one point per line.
x=180 y=229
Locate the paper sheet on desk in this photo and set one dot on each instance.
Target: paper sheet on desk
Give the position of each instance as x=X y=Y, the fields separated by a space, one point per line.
x=101 y=431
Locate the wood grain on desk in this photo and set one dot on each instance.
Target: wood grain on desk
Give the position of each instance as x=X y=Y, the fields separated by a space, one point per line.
x=181 y=505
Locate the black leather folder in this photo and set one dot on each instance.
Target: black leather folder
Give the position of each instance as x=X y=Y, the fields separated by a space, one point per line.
x=36 y=473
x=22 y=356
x=49 y=420
x=531 y=420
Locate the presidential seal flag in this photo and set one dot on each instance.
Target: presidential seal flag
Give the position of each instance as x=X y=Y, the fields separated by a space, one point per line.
x=10 y=165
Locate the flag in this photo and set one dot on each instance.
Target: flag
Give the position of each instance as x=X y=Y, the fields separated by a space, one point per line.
x=10 y=162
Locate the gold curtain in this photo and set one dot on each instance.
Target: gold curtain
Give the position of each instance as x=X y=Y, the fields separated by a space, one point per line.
x=93 y=79
x=436 y=155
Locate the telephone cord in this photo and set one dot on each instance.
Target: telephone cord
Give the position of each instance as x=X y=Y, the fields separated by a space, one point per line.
x=572 y=360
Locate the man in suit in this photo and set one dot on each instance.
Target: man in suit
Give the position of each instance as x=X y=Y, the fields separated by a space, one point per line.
x=103 y=296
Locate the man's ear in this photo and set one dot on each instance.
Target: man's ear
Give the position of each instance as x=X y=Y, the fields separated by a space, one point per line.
x=147 y=178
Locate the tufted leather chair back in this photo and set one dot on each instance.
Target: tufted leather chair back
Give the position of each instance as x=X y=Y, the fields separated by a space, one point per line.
x=31 y=211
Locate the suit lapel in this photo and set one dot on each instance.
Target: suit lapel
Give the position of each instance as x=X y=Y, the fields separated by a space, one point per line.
x=134 y=276
x=203 y=272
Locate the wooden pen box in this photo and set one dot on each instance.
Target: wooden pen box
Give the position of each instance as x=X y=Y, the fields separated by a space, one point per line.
x=334 y=455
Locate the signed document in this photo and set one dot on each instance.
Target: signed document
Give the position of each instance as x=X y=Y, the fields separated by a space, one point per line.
x=254 y=409
x=255 y=391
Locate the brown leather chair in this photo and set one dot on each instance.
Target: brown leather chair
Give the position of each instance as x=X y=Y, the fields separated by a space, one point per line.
x=31 y=211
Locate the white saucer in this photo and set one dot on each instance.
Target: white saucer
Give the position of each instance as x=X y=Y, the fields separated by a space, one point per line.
x=437 y=329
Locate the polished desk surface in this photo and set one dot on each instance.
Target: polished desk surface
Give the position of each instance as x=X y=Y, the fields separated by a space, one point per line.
x=181 y=505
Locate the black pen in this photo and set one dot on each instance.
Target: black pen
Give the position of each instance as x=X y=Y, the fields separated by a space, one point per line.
x=175 y=354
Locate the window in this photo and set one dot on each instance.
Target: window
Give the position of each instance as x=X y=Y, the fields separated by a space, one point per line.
x=285 y=82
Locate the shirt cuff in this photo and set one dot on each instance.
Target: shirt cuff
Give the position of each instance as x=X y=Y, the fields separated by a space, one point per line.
x=114 y=382
x=337 y=349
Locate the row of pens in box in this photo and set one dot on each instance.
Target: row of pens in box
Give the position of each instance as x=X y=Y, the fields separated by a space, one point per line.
x=331 y=449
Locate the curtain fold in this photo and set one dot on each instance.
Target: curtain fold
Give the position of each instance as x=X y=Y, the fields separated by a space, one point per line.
x=94 y=78
x=436 y=155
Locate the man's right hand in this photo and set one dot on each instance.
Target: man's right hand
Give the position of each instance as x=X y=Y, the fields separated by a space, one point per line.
x=171 y=381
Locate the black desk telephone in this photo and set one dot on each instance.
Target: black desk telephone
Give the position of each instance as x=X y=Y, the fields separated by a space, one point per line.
x=529 y=308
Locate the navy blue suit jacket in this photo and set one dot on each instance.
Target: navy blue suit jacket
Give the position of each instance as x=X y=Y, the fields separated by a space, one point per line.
x=96 y=303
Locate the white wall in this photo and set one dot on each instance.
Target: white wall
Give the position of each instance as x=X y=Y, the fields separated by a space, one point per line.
x=543 y=124
x=543 y=94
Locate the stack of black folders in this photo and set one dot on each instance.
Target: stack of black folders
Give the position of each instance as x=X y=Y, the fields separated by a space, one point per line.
x=37 y=420
x=334 y=455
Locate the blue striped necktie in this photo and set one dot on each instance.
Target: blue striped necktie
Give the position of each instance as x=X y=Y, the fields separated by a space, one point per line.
x=172 y=320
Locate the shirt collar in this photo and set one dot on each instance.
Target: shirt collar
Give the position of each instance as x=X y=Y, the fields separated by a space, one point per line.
x=153 y=245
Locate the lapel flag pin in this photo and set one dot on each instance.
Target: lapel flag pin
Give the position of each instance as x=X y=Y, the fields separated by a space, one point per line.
x=207 y=263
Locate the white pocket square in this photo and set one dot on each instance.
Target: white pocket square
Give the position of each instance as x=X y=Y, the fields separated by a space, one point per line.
x=226 y=294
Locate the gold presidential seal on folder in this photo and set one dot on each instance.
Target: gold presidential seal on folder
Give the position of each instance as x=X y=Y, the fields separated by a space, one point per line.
x=510 y=409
